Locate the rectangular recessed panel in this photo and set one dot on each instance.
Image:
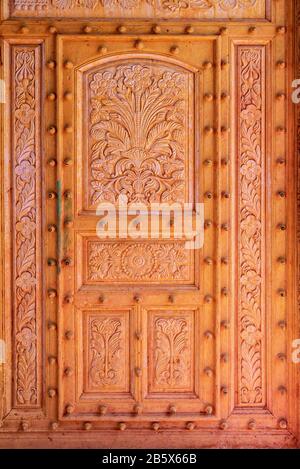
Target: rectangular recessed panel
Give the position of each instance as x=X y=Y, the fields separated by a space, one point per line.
x=106 y=351
x=171 y=351
x=141 y=8
x=138 y=261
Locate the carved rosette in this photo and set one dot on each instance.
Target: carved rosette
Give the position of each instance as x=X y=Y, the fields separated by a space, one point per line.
x=251 y=97
x=139 y=262
x=26 y=221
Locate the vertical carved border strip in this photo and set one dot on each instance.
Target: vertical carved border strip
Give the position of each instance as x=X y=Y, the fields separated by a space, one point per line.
x=250 y=82
x=26 y=223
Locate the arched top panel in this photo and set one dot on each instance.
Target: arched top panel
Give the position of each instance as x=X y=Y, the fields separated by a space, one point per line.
x=137 y=130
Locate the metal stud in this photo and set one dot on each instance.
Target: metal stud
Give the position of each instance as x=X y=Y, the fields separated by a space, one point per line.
x=51 y=262
x=281 y=260
x=102 y=409
x=282 y=324
x=225 y=195
x=223 y=425
x=52 y=293
x=208 y=371
x=209 y=409
x=68 y=194
x=87 y=426
x=224 y=161
x=67 y=261
x=282 y=423
x=281 y=96
x=189 y=30
x=225 y=130
x=174 y=50
x=281 y=292
x=87 y=29
x=51 y=392
x=51 y=97
x=54 y=425
x=69 y=409
x=24 y=426
x=280 y=161
x=281 y=194
x=208 y=97
x=52 y=162
x=224 y=64
x=156 y=29
x=207 y=223
x=101 y=299
x=137 y=298
x=52 y=29
x=223 y=30
x=52 y=360
x=138 y=335
x=281 y=64
x=208 y=130
x=207 y=65
x=68 y=129
x=208 y=260
x=208 y=299
x=208 y=195
x=224 y=96
x=51 y=228
x=155 y=426
x=69 y=335
x=282 y=226
x=52 y=326
x=172 y=409
x=224 y=260
x=190 y=426
x=68 y=95
x=224 y=357
x=51 y=64
x=102 y=49
x=139 y=44
x=68 y=222
x=225 y=226
x=24 y=29
x=122 y=29
x=68 y=299
x=225 y=324
x=281 y=30
x=282 y=390
x=68 y=371
x=68 y=162
x=138 y=409
x=280 y=130
x=208 y=335
x=171 y=298
x=51 y=195
x=52 y=130
x=251 y=424
x=224 y=390
x=281 y=356
x=122 y=426
x=68 y=65
x=224 y=291
x=138 y=371
x=252 y=29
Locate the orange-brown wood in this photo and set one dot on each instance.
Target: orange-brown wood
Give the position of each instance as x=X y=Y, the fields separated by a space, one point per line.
x=141 y=342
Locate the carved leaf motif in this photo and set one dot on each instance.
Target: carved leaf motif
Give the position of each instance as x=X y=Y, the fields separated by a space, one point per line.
x=137 y=134
x=171 y=352
x=137 y=261
x=251 y=255
x=168 y=5
x=25 y=116
x=106 y=346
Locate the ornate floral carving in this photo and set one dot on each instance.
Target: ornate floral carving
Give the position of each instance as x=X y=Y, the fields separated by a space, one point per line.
x=137 y=134
x=171 y=352
x=106 y=352
x=251 y=257
x=168 y=5
x=26 y=218
x=138 y=261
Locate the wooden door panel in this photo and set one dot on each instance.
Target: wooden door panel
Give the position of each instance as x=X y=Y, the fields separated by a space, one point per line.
x=141 y=334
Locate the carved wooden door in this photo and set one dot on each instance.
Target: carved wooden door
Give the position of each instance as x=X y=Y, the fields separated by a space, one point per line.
x=139 y=341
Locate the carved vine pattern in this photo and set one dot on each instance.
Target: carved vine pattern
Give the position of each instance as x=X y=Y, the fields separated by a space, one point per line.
x=165 y=5
x=106 y=352
x=25 y=223
x=251 y=255
x=137 y=133
x=137 y=261
x=171 y=352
